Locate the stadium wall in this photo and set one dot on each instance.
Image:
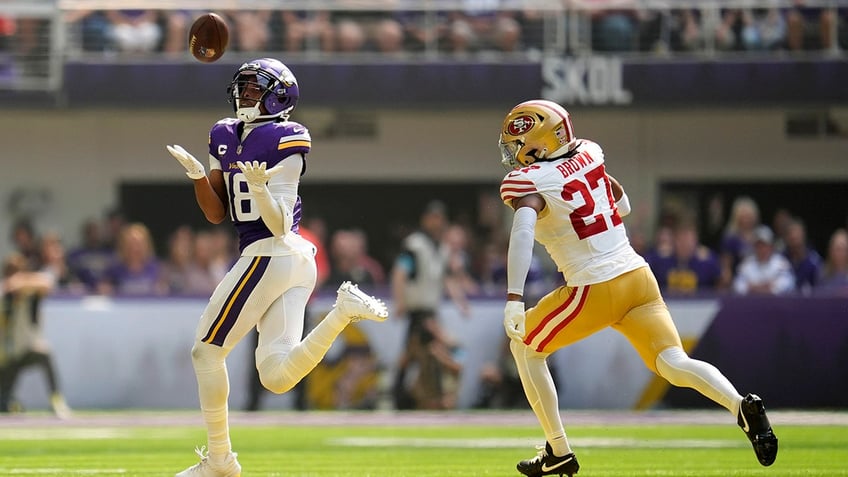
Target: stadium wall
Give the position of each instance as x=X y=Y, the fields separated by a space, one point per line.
x=134 y=353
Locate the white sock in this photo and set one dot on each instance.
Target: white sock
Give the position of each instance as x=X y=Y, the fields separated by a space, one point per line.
x=541 y=394
x=679 y=369
x=213 y=388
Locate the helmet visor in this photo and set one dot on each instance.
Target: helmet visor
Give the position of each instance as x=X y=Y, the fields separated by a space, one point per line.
x=509 y=154
x=250 y=85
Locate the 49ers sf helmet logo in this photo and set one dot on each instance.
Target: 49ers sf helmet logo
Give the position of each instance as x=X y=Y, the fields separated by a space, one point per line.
x=520 y=125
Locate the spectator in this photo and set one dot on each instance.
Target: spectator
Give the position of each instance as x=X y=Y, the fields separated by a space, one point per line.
x=350 y=261
x=417 y=281
x=614 y=29
x=136 y=270
x=738 y=238
x=482 y=26
x=690 y=268
x=113 y=224
x=834 y=273
x=662 y=247
x=350 y=31
x=423 y=30
x=307 y=30
x=89 y=260
x=531 y=27
x=780 y=226
x=500 y=386
x=459 y=282
x=135 y=31
x=25 y=242
x=23 y=343
x=686 y=32
x=192 y=268
x=8 y=28
x=251 y=29
x=176 y=25
x=208 y=264
x=54 y=264
x=810 y=28
x=763 y=29
x=806 y=261
x=179 y=260
x=92 y=28
x=729 y=29
x=388 y=35
x=764 y=272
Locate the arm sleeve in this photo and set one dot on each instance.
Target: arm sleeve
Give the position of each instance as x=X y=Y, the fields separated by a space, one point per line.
x=520 y=253
x=623 y=205
x=277 y=198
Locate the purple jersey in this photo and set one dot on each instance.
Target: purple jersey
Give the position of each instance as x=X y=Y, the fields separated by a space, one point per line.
x=700 y=272
x=270 y=143
x=140 y=282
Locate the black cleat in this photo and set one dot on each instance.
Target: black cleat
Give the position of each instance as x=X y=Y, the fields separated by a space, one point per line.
x=546 y=463
x=755 y=424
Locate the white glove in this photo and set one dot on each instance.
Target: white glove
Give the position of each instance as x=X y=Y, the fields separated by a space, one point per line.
x=194 y=169
x=256 y=175
x=514 y=320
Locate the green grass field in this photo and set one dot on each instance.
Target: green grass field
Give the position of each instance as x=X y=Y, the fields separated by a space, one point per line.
x=443 y=446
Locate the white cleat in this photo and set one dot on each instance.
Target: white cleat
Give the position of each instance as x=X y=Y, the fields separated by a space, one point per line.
x=358 y=305
x=205 y=468
x=60 y=407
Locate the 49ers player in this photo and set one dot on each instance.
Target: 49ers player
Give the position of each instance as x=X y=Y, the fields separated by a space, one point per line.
x=563 y=197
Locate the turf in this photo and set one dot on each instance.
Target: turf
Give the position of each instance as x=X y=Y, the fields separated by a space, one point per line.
x=384 y=450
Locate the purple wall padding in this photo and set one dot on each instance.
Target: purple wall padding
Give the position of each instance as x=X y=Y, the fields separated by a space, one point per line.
x=791 y=351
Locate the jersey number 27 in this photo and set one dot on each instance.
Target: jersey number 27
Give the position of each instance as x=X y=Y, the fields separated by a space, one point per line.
x=584 y=219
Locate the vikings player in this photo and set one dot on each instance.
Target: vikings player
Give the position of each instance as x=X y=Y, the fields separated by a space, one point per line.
x=256 y=160
x=563 y=197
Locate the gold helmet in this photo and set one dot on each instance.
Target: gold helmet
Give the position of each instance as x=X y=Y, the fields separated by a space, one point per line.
x=535 y=130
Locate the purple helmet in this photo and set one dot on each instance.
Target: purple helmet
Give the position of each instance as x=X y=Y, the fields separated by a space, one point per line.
x=278 y=86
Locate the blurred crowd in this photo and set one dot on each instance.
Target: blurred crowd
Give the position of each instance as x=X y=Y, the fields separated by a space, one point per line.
x=113 y=256
x=747 y=254
x=474 y=27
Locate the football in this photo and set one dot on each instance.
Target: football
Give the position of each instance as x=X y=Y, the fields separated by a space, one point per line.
x=208 y=37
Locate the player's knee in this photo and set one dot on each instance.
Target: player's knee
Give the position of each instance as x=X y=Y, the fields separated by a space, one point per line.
x=272 y=377
x=206 y=357
x=671 y=365
x=522 y=353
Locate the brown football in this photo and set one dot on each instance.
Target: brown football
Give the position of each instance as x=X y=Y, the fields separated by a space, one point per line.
x=208 y=37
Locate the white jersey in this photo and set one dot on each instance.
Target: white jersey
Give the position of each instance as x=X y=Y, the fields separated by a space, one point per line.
x=580 y=226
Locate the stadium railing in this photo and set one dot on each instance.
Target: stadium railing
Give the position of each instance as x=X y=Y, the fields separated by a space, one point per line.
x=37 y=37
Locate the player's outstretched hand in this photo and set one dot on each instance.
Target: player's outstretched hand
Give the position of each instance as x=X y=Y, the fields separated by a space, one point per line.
x=514 y=320
x=256 y=174
x=194 y=169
